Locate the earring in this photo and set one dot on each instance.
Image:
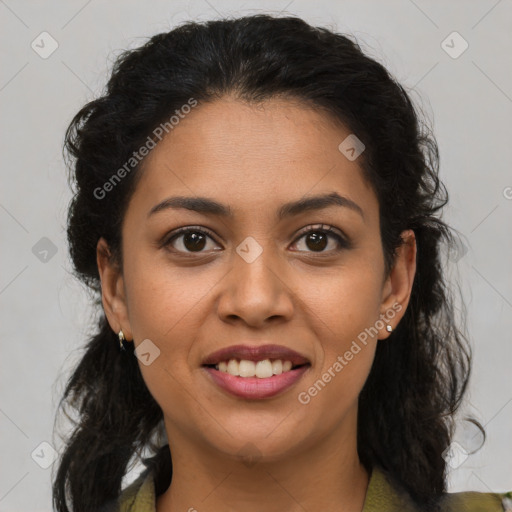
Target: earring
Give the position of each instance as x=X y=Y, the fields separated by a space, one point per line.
x=389 y=328
x=121 y=339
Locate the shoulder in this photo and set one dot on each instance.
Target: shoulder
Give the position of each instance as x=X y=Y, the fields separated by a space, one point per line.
x=139 y=496
x=383 y=496
x=387 y=495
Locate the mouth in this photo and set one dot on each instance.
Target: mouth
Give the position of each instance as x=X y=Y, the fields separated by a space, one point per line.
x=262 y=369
x=255 y=372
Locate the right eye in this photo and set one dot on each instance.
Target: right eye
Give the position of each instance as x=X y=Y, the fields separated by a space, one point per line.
x=190 y=240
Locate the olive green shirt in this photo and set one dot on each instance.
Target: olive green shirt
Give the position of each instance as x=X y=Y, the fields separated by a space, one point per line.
x=381 y=496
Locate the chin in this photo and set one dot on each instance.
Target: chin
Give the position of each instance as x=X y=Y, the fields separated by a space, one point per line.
x=265 y=442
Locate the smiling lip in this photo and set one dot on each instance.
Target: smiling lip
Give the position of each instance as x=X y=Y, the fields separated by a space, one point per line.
x=256 y=353
x=254 y=388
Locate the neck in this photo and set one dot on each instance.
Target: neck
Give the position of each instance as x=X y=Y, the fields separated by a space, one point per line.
x=313 y=478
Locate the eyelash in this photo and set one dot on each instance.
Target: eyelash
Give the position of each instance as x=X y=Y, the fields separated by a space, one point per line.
x=343 y=242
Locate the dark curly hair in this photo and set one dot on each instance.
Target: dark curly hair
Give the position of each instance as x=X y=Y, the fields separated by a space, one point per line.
x=418 y=377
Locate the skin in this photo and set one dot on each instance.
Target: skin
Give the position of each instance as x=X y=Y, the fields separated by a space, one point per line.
x=314 y=300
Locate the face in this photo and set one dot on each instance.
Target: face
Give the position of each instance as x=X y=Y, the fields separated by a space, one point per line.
x=254 y=277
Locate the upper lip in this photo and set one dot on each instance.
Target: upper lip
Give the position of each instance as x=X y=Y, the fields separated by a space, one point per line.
x=256 y=353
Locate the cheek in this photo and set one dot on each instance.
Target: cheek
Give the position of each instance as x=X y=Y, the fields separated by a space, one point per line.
x=346 y=313
x=345 y=354
x=167 y=312
x=164 y=299
x=346 y=301
x=166 y=306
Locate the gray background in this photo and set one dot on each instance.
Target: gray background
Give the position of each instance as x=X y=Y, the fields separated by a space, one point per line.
x=45 y=315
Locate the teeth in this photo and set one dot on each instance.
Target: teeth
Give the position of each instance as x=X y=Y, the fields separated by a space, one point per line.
x=277 y=367
x=232 y=367
x=261 y=369
x=246 y=368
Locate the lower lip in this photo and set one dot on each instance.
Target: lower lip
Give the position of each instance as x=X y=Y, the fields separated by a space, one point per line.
x=255 y=388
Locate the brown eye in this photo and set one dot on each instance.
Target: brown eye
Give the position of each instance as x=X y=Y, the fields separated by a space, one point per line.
x=194 y=241
x=317 y=239
x=188 y=240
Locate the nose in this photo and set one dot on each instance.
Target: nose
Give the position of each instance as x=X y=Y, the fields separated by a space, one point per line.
x=256 y=292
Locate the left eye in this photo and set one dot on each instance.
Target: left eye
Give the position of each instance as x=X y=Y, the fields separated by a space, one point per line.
x=317 y=239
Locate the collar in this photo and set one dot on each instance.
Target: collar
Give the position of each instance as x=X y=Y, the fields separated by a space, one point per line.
x=382 y=495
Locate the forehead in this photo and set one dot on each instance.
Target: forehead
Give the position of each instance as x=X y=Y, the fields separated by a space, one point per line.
x=229 y=129
x=252 y=156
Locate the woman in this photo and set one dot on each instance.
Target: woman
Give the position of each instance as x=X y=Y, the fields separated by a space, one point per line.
x=255 y=203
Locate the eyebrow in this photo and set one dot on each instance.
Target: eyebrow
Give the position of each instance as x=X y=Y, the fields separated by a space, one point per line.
x=209 y=206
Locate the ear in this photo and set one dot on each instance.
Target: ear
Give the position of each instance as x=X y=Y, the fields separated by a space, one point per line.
x=397 y=288
x=112 y=290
